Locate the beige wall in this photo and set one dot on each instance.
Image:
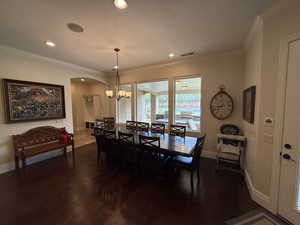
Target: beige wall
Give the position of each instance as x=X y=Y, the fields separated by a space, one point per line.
x=83 y=111
x=16 y=64
x=276 y=28
x=216 y=70
x=253 y=66
x=262 y=60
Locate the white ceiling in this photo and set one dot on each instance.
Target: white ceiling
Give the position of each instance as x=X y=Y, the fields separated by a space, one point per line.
x=147 y=31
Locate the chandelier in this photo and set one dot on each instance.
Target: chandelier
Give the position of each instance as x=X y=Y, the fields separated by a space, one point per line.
x=117 y=93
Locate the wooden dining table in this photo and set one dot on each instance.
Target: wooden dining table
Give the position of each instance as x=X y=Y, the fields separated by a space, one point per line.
x=169 y=144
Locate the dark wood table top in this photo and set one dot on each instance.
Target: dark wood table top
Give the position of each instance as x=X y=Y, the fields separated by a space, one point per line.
x=169 y=144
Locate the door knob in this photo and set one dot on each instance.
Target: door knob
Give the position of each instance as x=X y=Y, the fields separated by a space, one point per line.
x=287 y=157
x=287 y=146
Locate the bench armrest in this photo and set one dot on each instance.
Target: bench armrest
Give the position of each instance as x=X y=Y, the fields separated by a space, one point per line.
x=72 y=135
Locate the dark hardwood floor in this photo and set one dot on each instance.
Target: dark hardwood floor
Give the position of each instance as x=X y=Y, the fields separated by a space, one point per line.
x=54 y=192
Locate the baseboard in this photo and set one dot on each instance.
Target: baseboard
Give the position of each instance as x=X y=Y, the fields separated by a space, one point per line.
x=10 y=166
x=6 y=167
x=209 y=154
x=256 y=195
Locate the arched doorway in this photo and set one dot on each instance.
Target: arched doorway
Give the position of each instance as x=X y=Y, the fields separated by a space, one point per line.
x=88 y=104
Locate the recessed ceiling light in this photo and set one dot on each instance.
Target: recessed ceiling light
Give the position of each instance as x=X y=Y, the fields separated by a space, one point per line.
x=171 y=55
x=50 y=43
x=121 y=4
x=82 y=80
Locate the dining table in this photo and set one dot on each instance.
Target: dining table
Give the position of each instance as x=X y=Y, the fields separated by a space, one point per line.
x=169 y=144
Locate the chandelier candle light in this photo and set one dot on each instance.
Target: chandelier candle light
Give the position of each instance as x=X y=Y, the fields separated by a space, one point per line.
x=121 y=4
x=118 y=93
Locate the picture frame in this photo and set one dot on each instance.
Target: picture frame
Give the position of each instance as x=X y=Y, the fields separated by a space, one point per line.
x=249 y=96
x=32 y=101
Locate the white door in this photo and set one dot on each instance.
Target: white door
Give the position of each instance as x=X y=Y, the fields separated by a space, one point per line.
x=289 y=195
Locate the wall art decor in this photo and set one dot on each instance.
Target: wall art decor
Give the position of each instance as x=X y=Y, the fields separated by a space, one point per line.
x=29 y=101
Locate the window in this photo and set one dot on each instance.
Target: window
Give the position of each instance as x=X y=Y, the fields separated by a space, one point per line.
x=152 y=101
x=188 y=103
x=124 y=105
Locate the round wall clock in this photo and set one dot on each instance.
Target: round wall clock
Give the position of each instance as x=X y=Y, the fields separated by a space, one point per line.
x=221 y=105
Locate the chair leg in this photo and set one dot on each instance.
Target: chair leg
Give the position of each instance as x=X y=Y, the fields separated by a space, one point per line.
x=192 y=180
x=218 y=165
x=198 y=174
x=17 y=162
x=98 y=156
x=23 y=162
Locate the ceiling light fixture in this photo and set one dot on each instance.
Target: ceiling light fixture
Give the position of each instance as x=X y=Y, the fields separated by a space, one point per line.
x=121 y=4
x=116 y=92
x=50 y=43
x=75 y=27
x=82 y=80
x=171 y=55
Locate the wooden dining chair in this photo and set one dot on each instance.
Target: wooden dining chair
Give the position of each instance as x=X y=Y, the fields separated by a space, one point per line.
x=158 y=128
x=131 y=125
x=100 y=144
x=142 y=126
x=177 y=130
x=128 y=149
x=149 y=147
x=190 y=163
x=109 y=143
x=109 y=122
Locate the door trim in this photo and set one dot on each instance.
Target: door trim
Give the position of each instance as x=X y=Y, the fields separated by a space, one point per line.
x=279 y=117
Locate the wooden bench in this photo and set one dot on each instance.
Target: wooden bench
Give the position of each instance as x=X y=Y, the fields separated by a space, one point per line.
x=39 y=140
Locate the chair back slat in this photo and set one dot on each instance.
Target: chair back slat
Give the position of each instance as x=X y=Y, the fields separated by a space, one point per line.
x=148 y=141
x=142 y=126
x=109 y=134
x=158 y=128
x=109 y=122
x=131 y=125
x=177 y=130
x=125 y=138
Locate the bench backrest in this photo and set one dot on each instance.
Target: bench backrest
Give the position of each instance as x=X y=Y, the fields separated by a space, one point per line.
x=37 y=136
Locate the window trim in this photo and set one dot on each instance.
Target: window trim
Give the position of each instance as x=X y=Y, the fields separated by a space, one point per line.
x=152 y=81
x=201 y=100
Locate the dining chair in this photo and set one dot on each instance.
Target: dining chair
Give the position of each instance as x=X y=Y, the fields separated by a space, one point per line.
x=109 y=143
x=98 y=133
x=109 y=122
x=150 y=157
x=128 y=149
x=190 y=163
x=177 y=130
x=142 y=126
x=131 y=125
x=158 y=128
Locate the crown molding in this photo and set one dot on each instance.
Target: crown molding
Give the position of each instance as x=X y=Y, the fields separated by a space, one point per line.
x=27 y=53
x=279 y=7
x=200 y=57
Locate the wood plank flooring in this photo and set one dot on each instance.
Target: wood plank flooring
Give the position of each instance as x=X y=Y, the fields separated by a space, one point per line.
x=54 y=192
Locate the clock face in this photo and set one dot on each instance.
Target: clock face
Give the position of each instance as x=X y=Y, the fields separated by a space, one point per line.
x=221 y=105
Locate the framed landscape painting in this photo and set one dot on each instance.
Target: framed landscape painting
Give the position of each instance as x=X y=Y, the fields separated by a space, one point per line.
x=249 y=104
x=29 y=101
